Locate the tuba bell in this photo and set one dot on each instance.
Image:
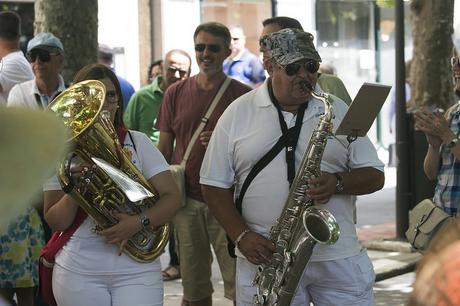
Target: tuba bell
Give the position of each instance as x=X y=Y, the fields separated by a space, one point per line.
x=113 y=183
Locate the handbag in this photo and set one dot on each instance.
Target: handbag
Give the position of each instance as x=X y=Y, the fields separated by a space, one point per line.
x=425 y=220
x=178 y=171
x=48 y=254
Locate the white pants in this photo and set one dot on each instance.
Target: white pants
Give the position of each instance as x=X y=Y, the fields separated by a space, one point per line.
x=345 y=282
x=73 y=289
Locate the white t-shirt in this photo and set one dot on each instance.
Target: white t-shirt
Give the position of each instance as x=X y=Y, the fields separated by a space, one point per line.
x=247 y=130
x=14 y=69
x=87 y=252
x=26 y=94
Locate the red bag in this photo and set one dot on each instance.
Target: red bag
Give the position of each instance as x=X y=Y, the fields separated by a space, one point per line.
x=48 y=254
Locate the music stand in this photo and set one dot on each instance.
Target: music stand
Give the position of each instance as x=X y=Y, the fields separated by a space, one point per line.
x=363 y=110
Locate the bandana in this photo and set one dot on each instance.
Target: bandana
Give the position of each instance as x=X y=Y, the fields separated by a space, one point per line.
x=290 y=45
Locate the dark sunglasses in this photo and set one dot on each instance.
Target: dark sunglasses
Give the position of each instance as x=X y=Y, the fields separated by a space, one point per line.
x=292 y=69
x=43 y=56
x=211 y=47
x=173 y=70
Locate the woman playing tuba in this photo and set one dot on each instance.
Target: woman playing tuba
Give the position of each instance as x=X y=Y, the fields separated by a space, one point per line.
x=91 y=268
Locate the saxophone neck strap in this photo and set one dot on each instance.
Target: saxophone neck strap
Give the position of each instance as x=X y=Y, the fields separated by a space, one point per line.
x=292 y=134
x=261 y=164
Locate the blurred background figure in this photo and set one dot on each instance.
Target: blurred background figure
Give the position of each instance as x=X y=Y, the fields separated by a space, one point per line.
x=327 y=68
x=392 y=115
x=243 y=65
x=144 y=105
x=437 y=280
x=105 y=57
x=14 y=67
x=155 y=69
x=29 y=155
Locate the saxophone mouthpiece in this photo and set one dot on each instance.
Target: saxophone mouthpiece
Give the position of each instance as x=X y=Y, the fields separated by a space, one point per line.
x=306 y=85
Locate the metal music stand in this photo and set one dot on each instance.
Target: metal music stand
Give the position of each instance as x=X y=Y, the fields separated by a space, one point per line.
x=363 y=110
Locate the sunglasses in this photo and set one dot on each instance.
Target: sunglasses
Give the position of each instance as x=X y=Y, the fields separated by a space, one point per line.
x=310 y=66
x=211 y=47
x=43 y=56
x=173 y=70
x=455 y=61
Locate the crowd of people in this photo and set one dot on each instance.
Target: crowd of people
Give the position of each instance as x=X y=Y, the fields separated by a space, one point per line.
x=253 y=104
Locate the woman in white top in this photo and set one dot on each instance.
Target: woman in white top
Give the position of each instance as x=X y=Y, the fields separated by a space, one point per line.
x=90 y=269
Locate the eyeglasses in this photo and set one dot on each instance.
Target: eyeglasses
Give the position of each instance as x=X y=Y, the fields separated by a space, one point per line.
x=112 y=97
x=173 y=70
x=211 y=47
x=292 y=69
x=43 y=56
x=454 y=61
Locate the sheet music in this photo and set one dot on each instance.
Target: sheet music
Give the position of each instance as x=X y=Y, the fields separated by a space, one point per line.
x=363 y=110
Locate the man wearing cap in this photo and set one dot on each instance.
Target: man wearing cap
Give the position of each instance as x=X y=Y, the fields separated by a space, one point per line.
x=338 y=274
x=46 y=56
x=14 y=68
x=329 y=83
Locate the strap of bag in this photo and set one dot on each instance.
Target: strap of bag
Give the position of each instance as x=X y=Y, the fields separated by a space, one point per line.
x=59 y=239
x=204 y=120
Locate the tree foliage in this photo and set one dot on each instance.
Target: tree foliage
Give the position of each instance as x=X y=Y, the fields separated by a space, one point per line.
x=75 y=24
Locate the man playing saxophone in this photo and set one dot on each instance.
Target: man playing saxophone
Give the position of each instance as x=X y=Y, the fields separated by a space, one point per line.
x=338 y=274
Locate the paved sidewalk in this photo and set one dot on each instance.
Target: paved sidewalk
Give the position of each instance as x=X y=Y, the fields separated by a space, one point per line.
x=389 y=257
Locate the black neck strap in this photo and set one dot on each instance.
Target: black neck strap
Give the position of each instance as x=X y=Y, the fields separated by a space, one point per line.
x=291 y=135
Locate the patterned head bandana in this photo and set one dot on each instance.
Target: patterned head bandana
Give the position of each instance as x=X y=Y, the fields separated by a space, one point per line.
x=289 y=46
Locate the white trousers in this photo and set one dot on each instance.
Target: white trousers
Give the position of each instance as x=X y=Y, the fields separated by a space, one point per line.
x=74 y=289
x=345 y=282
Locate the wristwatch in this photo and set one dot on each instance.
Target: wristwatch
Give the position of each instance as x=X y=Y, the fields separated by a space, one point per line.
x=145 y=221
x=452 y=143
x=339 y=185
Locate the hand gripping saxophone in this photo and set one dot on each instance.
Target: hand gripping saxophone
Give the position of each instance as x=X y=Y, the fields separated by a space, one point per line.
x=114 y=184
x=301 y=224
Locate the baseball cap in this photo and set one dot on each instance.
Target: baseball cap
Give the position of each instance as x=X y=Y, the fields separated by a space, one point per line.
x=45 y=41
x=290 y=45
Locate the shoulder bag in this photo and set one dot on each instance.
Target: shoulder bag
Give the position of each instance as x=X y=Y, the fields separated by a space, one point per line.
x=425 y=220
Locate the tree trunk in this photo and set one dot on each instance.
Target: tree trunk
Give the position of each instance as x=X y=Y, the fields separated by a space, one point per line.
x=75 y=24
x=430 y=75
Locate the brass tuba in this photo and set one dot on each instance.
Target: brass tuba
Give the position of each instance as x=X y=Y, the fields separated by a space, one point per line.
x=113 y=183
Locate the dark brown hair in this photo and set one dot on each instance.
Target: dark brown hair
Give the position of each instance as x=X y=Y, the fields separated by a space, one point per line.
x=99 y=72
x=10 y=25
x=283 y=22
x=216 y=29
